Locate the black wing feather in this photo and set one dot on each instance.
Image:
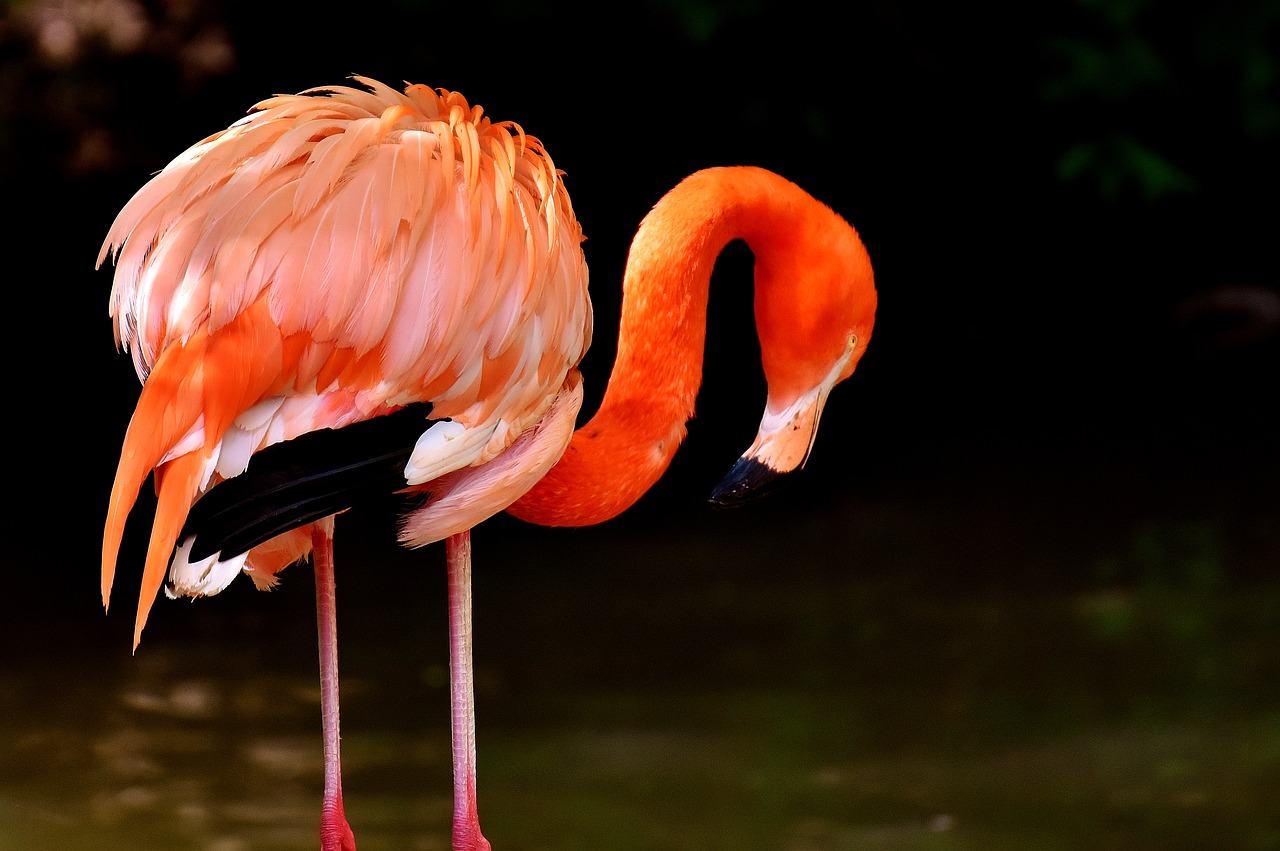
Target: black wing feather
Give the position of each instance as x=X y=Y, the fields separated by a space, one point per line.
x=294 y=482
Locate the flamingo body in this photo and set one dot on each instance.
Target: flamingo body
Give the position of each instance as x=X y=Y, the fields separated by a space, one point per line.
x=331 y=257
x=360 y=290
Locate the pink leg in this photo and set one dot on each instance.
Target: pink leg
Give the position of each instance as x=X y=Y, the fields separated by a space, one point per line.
x=466 y=821
x=335 y=833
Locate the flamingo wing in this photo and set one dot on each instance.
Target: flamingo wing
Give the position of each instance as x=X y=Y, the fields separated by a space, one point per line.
x=301 y=480
x=333 y=257
x=327 y=471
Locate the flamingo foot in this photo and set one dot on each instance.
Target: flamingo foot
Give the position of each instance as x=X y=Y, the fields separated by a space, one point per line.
x=466 y=818
x=335 y=833
x=468 y=838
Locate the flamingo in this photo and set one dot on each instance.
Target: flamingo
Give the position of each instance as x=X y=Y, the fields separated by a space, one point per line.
x=358 y=289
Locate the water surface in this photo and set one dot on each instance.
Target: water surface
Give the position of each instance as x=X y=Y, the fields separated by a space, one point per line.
x=931 y=667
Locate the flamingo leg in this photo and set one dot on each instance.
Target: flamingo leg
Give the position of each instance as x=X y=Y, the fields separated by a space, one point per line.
x=466 y=820
x=335 y=833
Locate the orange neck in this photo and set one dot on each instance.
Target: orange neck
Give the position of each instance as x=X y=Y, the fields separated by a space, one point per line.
x=623 y=450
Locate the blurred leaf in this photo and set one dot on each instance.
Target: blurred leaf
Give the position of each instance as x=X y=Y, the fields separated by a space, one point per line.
x=1156 y=176
x=1109 y=71
x=1133 y=81
x=702 y=20
x=1118 y=12
x=1121 y=165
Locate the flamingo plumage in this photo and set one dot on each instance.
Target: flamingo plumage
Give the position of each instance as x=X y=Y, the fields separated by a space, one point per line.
x=358 y=289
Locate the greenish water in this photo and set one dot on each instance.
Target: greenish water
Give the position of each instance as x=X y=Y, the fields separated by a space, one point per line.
x=919 y=668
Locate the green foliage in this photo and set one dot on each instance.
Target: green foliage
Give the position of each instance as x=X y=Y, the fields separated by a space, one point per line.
x=701 y=20
x=1153 y=97
x=1116 y=164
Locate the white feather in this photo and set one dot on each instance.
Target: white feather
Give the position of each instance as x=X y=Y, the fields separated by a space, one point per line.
x=468 y=496
x=445 y=447
x=200 y=578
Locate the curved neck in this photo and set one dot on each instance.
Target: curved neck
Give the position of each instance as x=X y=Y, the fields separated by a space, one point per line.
x=623 y=450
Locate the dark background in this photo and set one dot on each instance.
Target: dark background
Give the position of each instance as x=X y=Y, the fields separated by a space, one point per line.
x=1070 y=206
x=1026 y=589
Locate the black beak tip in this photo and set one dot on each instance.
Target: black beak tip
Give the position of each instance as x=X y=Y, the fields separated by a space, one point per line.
x=748 y=481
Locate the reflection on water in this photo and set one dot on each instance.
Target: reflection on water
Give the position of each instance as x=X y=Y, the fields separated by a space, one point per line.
x=837 y=677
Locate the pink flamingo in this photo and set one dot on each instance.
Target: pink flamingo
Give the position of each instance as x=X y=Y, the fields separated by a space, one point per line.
x=358 y=289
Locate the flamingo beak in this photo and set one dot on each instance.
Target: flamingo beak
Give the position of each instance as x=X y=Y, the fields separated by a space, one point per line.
x=784 y=439
x=781 y=447
x=747 y=481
